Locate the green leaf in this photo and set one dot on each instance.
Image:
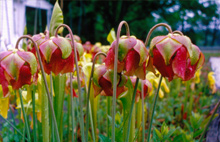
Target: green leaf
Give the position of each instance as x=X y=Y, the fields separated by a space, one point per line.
x=167 y=48
x=118 y=119
x=197 y=133
x=126 y=98
x=25 y=30
x=188 y=125
x=64 y=46
x=45 y=113
x=56 y=19
x=171 y=131
x=199 y=122
x=111 y=36
x=164 y=129
x=155 y=136
x=189 y=137
x=59 y=90
x=119 y=134
x=196 y=120
x=207 y=119
x=16 y=138
x=24 y=43
x=109 y=118
x=182 y=137
x=104 y=138
x=159 y=135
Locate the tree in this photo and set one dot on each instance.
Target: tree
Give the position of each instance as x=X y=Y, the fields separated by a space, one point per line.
x=92 y=20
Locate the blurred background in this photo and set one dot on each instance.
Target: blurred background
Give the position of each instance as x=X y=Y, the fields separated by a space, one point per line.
x=199 y=19
x=92 y=20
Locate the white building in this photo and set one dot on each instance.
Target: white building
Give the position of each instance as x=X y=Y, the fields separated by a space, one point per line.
x=13 y=20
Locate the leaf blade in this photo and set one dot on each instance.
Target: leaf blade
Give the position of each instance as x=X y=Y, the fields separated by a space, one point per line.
x=56 y=19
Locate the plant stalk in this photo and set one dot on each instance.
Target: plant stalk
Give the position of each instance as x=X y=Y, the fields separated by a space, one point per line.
x=93 y=130
x=146 y=43
x=34 y=116
x=190 y=104
x=132 y=127
x=153 y=28
x=45 y=115
x=108 y=114
x=25 y=116
x=59 y=90
x=24 y=134
x=142 y=104
x=51 y=94
x=72 y=107
x=154 y=106
x=78 y=80
x=186 y=96
x=139 y=119
x=88 y=96
x=131 y=110
x=178 y=32
x=115 y=75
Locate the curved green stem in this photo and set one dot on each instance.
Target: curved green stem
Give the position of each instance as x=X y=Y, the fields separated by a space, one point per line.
x=45 y=82
x=24 y=134
x=115 y=75
x=210 y=120
x=177 y=32
x=154 y=106
x=88 y=96
x=142 y=104
x=153 y=28
x=131 y=110
x=92 y=126
x=139 y=119
x=45 y=115
x=78 y=80
x=25 y=116
x=34 y=116
x=72 y=107
x=51 y=94
x=146 y=43
x=59 y=90
x=108 y=114
x=186 y=96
